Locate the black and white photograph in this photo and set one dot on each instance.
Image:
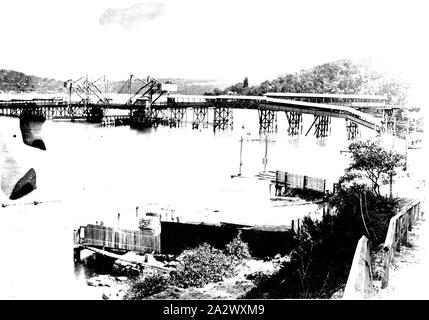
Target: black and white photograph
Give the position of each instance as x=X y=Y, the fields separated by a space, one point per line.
x=213 y=150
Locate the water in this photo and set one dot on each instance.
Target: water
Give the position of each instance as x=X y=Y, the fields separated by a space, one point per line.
x=91 y=173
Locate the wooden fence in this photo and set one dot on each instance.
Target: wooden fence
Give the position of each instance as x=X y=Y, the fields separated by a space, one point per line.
x=397 y=233
x=295 y=181
x=359 y=282
x=120 y=239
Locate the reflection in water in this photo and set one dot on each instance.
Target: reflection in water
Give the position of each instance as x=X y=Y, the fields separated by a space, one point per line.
x=91 y=173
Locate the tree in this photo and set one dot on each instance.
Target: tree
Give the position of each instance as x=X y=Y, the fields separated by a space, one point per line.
x=245 y=82
x=370 y=160
x=338 y=77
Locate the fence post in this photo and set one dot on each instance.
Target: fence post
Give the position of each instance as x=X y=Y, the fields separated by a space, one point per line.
x=411 y=216
x=398 y=227
x=386 y=266
x=304 y=185
x=419 y=211
x=405 y=236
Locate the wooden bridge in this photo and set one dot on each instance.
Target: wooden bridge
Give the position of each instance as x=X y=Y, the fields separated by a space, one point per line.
x=145 y=109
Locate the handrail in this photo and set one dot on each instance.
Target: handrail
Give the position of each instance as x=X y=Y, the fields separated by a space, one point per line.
x=359 y=282
x=399 y=226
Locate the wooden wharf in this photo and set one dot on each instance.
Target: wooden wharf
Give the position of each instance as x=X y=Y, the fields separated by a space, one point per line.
x=146 y=110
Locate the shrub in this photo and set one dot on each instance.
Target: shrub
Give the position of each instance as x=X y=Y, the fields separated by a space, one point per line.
x=198 y=267
x=203 y=265
x=321 y=261
x=147 y=286
x=238 y=248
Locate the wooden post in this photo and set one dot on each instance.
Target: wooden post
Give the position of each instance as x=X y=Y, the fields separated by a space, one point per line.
x=293 y=225
x=398 y=234
x=419 y=213
x=405 y=237
x=137 y=211
x=304 y=185
x=77 y=254
x=411 y=219
x=386 y=265
x=119 y=218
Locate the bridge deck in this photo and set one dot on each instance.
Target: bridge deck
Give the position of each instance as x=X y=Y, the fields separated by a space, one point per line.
x=261 y=102
x=230 y=101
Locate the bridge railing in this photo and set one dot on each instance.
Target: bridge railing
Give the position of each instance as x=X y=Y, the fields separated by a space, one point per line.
x=397 y=233
x=120 y=239
x=359 y=283
x=297 y=181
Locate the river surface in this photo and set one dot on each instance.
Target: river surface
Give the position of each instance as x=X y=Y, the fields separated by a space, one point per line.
x=91 y=173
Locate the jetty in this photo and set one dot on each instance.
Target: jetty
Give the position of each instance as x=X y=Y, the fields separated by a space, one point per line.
x=115 y=242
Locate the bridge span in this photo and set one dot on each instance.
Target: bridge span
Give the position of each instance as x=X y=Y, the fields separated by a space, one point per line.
x=145 y=111
x=276 y=104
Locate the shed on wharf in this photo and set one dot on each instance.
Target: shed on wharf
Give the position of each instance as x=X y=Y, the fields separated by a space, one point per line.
x=145 y=239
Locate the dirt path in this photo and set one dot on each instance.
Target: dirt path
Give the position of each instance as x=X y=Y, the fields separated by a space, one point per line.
x=409 y=274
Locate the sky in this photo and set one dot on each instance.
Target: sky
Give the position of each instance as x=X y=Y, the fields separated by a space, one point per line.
x=209 y=39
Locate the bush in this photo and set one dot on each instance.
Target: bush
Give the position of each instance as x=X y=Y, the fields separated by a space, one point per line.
x=321 y=262
x=238 y=248
x=203 y=265
x=147 y=286
x=362 y=212
x=199 y=266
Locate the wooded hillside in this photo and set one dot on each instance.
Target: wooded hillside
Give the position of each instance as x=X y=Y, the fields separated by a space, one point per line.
x=339 y=77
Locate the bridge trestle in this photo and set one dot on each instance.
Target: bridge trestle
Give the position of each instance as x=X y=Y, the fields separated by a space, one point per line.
x=352 y=130
x=295 y=123
x=267 y=121
x=177 y=117
x=223 y=118
x=200 y=117
x=159 y=116
x=321 y=125
x=389 y=120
